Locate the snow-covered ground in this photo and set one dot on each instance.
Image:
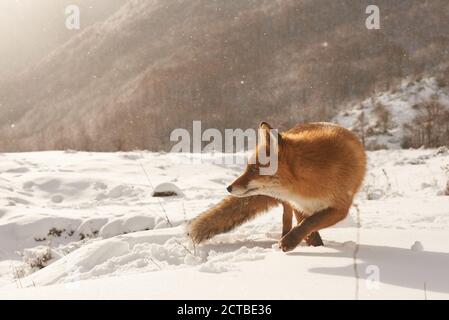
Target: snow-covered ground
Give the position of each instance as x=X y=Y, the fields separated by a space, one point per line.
x=85 y=225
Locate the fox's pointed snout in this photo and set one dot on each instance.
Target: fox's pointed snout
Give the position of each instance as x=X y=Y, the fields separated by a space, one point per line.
x=229 y=188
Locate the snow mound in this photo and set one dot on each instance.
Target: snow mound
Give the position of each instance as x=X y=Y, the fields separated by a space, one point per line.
x=155 y=250
x=131 y=223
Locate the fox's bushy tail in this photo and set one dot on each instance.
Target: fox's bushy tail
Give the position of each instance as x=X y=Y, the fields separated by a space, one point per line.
x=228 y=214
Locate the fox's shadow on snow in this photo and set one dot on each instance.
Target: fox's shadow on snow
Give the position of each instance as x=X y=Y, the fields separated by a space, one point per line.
x=397 y=266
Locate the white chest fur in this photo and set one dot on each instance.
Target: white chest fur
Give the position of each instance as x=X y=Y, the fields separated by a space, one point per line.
x=308 y=206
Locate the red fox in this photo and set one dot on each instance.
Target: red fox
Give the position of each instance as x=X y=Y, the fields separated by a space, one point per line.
x=321 y=166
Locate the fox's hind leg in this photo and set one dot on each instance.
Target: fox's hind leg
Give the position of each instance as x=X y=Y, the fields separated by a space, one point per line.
x=314 y=239
x=287 y=218
x=299 y=216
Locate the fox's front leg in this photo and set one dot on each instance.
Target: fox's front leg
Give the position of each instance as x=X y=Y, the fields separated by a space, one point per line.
x=317 y=221
x=313 y=239
x=287 y=218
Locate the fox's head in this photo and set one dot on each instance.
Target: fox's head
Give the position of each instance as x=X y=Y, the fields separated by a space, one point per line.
x=262 y=174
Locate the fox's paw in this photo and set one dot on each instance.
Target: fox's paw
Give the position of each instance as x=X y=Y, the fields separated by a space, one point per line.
x=314 y=239
x=288 y=243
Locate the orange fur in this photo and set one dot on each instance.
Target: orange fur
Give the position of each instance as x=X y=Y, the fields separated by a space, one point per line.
x=228 y=214
x=321 y=166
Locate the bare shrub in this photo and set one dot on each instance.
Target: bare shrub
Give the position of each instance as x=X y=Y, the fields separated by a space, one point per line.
x=429 y=128
x=374 y=146
x=442 y=82
x=54 y=232
x=36 y=259
x=384 y=118
x=360 y=127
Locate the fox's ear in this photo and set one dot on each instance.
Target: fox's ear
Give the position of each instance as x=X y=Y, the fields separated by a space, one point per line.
x=265 y=126
x=268 y=136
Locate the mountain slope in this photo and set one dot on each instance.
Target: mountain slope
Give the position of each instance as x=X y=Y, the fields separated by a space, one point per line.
x=391 y=119
x=157 y=65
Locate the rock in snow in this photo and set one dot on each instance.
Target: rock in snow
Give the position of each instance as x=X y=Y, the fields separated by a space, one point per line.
x=167 y=190
x=417 y=246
